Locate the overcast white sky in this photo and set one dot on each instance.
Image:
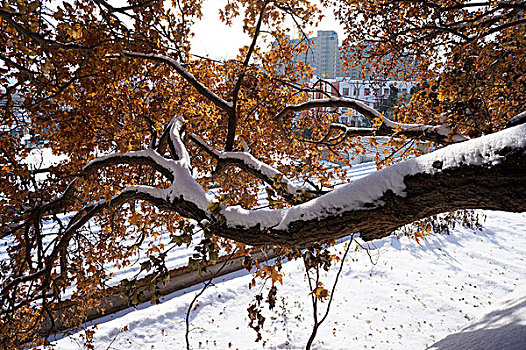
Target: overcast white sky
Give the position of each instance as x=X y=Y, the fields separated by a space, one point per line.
x=215 y=40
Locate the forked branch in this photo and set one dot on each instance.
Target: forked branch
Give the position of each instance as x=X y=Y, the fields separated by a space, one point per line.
x=247 y=162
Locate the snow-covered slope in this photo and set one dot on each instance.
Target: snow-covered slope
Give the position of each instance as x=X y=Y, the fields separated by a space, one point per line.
x=503 y=326
x=412 y=297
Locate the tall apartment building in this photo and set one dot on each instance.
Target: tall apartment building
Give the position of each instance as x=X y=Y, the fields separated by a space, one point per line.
x=326 y=54
x=322 y=54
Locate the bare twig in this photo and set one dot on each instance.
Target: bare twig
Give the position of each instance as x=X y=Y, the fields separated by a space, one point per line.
x=206 y=285
x=317 y=323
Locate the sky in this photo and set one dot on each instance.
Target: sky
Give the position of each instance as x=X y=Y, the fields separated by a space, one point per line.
x=216 y=40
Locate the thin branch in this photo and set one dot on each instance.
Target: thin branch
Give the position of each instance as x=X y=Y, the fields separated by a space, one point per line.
x=317 y=323
x=123 y=9
x=232 y=116
x=7 y=16
x=206 y=285
x=344 y=132
x=440 y=132
x=203 y=90
x=21 y=68
x=331 y=297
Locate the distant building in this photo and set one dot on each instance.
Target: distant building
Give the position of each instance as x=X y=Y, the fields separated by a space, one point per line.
x=322 y=54
x=372 y=92
x=325 y=56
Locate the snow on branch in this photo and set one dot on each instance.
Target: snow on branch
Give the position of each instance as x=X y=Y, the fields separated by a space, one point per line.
x=144 y=157
x=443 y=131
x=488 y=173
x=329 y=140
x=518 y=119
x=184 y=188
x=203 y=90
x=176 y=143
x=418 y=130
x=250 y=164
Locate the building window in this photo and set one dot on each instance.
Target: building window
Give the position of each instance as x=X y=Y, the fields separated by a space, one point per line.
x=386 y=91
x=345 y=91
x=366 y=91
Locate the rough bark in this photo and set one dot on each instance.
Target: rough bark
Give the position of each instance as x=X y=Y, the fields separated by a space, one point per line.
x=499 y=187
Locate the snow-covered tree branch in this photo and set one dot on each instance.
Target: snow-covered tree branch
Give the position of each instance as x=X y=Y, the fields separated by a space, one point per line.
x=213 y=150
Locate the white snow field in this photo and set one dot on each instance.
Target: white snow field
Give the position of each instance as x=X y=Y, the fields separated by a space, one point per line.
x=411 y=297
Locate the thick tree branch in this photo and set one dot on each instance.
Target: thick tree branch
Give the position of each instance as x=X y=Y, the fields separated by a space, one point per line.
x=176 y=143
x=145 y=157
x=167 y=167
x=426 y=132
x=485 y=173
x=248 y=163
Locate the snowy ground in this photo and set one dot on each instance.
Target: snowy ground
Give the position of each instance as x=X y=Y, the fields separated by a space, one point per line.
x=503 y=326
x=410 y=298
x=179 y=255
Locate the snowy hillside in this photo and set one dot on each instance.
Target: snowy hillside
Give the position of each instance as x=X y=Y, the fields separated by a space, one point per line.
x=410 y=298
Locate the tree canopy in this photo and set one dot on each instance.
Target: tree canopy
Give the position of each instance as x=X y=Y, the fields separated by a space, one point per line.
x=156 y=140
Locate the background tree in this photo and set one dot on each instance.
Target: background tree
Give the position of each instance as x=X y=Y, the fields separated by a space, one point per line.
x=471 y=54
x=386 y=107
x=147 y=129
